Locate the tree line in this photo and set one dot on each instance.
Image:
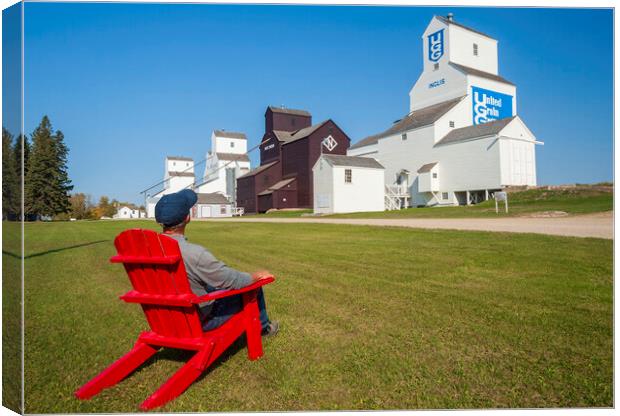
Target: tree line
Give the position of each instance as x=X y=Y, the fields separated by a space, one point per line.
x=82 y=207
x=46 y=181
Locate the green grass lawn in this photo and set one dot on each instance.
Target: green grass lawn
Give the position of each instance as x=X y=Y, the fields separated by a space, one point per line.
x=287 y=213
x=11 y=316
x=579 y=200
x=371 y=318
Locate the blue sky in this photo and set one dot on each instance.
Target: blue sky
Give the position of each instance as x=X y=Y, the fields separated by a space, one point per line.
x=11 y=73
x=129 y=84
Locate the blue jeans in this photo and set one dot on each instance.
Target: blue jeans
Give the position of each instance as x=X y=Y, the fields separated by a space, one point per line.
x=223 y=309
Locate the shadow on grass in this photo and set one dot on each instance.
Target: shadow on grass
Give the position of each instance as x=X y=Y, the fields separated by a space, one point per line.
x=183 y=356
x=56 y=250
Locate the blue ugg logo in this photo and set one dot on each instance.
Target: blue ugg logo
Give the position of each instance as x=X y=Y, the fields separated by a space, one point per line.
x=435 y=45
x=490 y=105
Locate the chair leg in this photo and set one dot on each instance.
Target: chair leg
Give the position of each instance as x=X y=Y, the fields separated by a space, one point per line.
x=117 y=371
x=181 y=380
x=252 y=326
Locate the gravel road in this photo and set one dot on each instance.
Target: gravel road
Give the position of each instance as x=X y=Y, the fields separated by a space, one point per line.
x=599 y=225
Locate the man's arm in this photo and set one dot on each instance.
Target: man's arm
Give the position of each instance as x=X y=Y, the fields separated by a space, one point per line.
x=217 y=274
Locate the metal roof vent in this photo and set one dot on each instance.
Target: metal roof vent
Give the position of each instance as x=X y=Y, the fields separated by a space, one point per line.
x=450 y=17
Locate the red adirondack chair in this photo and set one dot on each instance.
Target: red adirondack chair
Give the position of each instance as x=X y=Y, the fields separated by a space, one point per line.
x=157 y=274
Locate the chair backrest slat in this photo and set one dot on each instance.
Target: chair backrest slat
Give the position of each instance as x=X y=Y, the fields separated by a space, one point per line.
x=173 y=279
x=124 y=245
x=160 y=279
x=135 y=243
x=178 y=279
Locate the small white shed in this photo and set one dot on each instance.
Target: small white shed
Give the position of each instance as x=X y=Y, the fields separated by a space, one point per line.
x=348 y=184
x=428 y=178
x=127 y=212
x=211 y=205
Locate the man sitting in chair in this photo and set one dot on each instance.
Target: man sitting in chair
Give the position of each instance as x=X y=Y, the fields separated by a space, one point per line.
x=204 y=272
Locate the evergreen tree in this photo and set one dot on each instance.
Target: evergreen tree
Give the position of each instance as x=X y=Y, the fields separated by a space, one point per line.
x=38 y=183
x=22 y=145
x=47 y=184
x=11 y=196
x=18 y=154
x=62 y=182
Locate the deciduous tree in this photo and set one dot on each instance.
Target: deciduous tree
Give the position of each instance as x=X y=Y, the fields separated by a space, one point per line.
x=81 y=206
x=105 y=208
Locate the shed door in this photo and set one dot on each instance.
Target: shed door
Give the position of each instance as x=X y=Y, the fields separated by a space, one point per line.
x=323 y=201
x=205 y=211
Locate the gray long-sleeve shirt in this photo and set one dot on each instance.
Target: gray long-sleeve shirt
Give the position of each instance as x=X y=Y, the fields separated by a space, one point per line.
x=206 y=273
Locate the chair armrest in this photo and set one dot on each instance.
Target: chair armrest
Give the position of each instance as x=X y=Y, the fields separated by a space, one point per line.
x=145 y=259
x=226 y=293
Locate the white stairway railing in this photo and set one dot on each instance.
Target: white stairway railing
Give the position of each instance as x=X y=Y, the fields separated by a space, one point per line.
x=238 y=211
x=392 y=200
x=398 y=190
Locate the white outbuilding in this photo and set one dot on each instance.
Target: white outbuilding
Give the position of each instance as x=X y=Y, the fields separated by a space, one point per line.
x=347 y=184
x=126 y=212
x=225 y=162
x=178 y=175
x=212 y=205
x=462 y=139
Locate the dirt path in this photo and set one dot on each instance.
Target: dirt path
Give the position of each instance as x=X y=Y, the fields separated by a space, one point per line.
x=599 y=225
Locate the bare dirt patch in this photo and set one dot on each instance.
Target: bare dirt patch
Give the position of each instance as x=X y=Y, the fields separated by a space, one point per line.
x=545 y=214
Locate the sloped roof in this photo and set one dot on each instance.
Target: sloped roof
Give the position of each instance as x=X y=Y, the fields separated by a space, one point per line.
x=282 y=184
x=230 y=134
x=179 y=158
x=188 y=174
x=479 y=73
x=452 y=22
x=367 y=141
x=477 y=130
x=354 y=161
x=259 y=169
x=305 y=132
x=292 y=111
x=419 y=118
x=282 y=135
x=427 y=168
x=233 y=156
x=212 y=198
x=277 y=186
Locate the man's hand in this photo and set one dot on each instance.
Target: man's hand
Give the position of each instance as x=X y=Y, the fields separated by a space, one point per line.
x=261 y=274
